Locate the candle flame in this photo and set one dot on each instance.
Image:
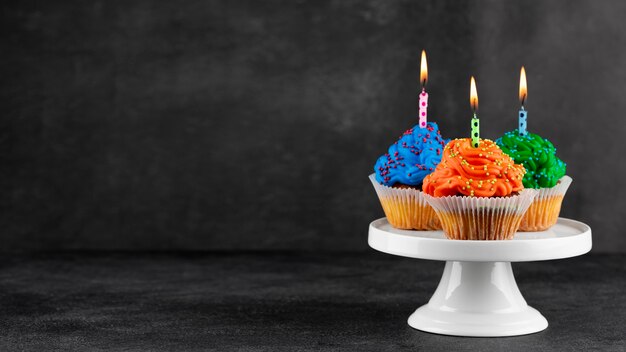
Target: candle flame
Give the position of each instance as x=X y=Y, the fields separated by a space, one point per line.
x=473 y=95
x=523 y=89
x=424 y=70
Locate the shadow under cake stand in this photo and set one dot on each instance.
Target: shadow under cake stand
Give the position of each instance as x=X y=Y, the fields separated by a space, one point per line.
x=477 y=294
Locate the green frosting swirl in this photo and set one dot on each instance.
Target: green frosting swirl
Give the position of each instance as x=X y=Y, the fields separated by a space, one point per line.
x=538 y=155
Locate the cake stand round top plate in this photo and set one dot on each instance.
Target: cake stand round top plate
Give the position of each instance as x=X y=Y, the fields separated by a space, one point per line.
x=568 y=238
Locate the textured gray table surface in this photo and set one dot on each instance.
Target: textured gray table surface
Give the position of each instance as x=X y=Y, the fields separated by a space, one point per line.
x=283 y=301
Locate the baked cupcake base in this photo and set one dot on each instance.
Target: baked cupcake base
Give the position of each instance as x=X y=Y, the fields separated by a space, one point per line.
x=494 y=224
x=544 y=211
x=406 y=208
x=476 y=218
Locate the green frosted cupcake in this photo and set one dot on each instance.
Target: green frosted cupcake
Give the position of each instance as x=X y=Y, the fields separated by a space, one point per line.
x=544 y=172
x=538 y=155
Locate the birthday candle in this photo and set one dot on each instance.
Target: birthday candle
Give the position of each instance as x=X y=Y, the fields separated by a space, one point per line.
x=523 y=94
x=423 y=108
x=475 y=120
x=423 y=103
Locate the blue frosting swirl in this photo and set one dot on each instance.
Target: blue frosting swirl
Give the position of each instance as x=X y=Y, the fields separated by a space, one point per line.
x=412 y=157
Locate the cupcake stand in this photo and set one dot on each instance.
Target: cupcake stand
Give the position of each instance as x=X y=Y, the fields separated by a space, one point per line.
x=477 y=294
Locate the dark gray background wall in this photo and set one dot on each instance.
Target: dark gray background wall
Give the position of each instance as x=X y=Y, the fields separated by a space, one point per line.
x=254 y=124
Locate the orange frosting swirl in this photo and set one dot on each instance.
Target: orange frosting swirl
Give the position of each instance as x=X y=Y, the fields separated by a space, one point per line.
x=476 y=172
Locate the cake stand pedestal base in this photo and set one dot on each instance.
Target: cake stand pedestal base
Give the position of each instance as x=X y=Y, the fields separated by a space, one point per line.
x=478 y=299
x=477 y=294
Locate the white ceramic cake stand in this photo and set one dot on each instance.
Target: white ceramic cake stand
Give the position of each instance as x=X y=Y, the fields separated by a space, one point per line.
x=477 y=294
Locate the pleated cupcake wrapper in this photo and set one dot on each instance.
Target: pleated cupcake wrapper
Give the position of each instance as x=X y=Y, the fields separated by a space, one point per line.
x=481 y=218
x=544 y=211
x=558 y=190
x=406 y=208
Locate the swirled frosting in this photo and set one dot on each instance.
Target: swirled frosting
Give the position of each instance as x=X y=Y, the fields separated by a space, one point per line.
x=476 y=172
x=537 y=154
x=412 y=157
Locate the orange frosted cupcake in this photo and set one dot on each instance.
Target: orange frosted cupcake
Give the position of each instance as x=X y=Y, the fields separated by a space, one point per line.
x=477 y=192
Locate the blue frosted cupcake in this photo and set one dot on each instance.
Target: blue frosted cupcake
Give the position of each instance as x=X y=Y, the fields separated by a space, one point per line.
x=398 y=176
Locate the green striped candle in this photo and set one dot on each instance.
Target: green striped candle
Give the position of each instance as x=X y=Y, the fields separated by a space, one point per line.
x=475 y=120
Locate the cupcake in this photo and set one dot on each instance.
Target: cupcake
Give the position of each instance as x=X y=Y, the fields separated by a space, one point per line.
x=398 y=177
x=477 y=192
x=545 y=172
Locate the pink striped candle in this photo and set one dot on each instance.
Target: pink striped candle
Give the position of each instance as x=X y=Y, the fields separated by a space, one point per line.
x=423 y=104
x=423 y=108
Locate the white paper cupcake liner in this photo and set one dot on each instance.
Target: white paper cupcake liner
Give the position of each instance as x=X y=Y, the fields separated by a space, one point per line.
x=406 y=208
x=544 y=211
x=481 y=218
x=558 y=190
